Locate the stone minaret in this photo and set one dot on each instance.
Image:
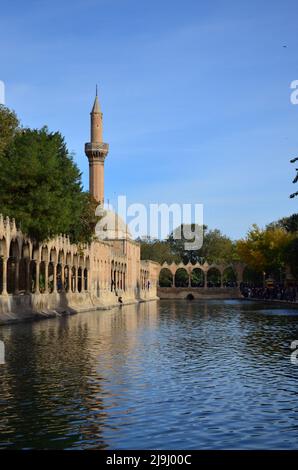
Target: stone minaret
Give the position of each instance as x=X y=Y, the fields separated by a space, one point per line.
x=96 y=152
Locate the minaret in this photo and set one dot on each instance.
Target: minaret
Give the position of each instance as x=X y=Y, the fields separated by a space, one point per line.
x=96 y=152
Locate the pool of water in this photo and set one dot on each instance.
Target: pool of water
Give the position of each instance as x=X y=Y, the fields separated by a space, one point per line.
x=160 y=375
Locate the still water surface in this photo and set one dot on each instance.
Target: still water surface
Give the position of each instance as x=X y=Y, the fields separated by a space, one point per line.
x=160 y=375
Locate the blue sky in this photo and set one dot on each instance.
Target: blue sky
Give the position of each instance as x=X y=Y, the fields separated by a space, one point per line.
x=195 y=96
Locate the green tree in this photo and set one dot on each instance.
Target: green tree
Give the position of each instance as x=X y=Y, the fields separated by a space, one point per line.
x=290 y=224
x=291 y=256
x=40 y=185
x=177 y=244
x=9 y=125
x=157 y=250
x=264 y=250
x=165 y=278
x=82 y=231
x=216 y=248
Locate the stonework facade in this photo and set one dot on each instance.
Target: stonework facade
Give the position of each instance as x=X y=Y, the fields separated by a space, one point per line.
x=59 y=277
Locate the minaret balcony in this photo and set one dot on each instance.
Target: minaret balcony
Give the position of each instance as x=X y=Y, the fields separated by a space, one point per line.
x=96 y=149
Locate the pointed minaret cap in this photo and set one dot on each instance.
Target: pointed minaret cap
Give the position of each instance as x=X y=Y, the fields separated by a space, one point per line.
x=96 y=106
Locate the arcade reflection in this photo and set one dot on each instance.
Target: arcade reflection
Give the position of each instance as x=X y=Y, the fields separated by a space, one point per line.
x=52 y=386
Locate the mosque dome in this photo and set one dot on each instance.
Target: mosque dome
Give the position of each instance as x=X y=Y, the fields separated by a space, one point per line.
x=110 y=225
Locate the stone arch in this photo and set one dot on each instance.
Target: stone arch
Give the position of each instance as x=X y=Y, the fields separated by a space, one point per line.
x=59 y=278
x=44 y=254
x=197 y=277
x=79 y=284
x=26 y=250
x=13 y=267
x=166 y=278
x=73 y=278
x=75 y=260
x=23 y=266
x=189 y=297
x=51 y=276
x=3 y=248
x=181 y=278
x=66 y=278
x=43 y=269
x=14 y=251
x=68 y=258
x=213 y=277
x=61 y=257
x=32 y=276
x=53 y=255
x=85 y=279
x=229 y=277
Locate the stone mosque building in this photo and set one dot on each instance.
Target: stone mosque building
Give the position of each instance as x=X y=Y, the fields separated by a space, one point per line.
x=58 y=277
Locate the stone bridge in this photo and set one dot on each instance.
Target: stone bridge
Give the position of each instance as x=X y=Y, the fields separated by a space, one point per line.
x=201 y=275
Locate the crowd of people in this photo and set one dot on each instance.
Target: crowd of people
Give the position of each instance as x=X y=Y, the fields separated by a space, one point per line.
x=274 y=292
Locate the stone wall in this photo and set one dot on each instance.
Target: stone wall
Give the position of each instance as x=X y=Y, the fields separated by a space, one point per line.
x=58 y=277
x=198 y=293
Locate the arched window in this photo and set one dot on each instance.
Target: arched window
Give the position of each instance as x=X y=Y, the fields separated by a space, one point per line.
x=165 y=278
x=181 y=278
x=197 y=278
x=213 y=277
x=229 y=277
x=85 y=279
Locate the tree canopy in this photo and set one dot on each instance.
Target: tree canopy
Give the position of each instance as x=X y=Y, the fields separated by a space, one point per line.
x=157 y=250
x=217 y=248
x=40 y=185
x=264 y=250
x=9 y=125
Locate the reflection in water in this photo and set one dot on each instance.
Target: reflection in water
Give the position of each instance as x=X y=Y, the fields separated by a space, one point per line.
x=174 y=374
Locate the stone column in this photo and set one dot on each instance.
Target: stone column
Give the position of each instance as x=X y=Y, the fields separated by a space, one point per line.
x=76 y=281
x=70 y=280
x=221 y=280
x=37 y=277
x=62 y=277
x=82 y=281
x=46 y=277
x=4 y=275
x=87 y=280
x=189 y=279
x=54 y=277
x=205 y=280
x=28 y=286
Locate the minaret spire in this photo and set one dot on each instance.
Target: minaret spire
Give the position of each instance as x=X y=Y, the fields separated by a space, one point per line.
x=96 y=107
x=96 y=152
